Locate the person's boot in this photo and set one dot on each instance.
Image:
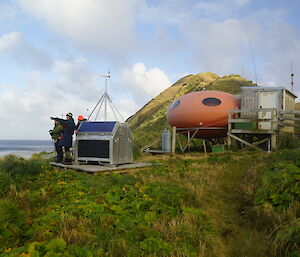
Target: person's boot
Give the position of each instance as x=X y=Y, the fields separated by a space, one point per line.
x=58 y=160
x=68 y=158
x=67 y=161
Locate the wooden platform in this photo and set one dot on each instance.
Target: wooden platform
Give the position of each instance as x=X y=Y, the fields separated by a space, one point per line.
x=89 y=168
x=156 y=151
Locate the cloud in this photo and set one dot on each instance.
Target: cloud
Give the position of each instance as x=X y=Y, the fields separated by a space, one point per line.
x=145 y=84
x=26 y=109
x=19 y=50
x=75 y=77
x=220 y=45
x=92 y=25
x=237 y=2
x=164 y=12
x=26 y=112
x=279 y=46
x=211 y=8
x=7 y=11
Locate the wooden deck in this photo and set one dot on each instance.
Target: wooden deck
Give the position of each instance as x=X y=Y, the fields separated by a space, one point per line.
x=89 y=168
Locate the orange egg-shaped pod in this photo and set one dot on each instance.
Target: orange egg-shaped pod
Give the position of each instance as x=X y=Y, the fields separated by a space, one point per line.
x=203 y=109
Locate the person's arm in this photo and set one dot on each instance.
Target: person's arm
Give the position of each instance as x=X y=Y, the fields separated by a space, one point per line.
x=59 y=120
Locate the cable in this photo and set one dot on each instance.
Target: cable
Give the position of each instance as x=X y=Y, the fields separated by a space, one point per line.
x=95 y=107
x=116 y=109
x=99 y=108
x=252 y=54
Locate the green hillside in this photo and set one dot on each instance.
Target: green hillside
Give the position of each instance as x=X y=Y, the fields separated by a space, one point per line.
x=148 y=122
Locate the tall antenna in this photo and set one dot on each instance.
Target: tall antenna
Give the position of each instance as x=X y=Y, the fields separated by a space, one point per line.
x=252 y=54
x=292 y=77
x=106 y=100
x=243 y=71
x=106 y=76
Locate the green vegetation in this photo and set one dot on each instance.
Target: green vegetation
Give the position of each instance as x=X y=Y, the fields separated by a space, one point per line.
x=231 y=84
x=54 y=213
x=277 y=202
x=226 y=204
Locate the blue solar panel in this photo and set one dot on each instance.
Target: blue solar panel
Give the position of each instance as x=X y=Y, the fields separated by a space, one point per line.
x=97 y=126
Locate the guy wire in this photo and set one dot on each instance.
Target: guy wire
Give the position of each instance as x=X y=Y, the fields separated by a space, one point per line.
x=252 y=54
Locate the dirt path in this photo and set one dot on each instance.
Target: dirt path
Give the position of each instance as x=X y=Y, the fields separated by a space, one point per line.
x=224 y=203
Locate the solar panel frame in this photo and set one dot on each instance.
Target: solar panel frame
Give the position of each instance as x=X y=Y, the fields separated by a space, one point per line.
x=97 y=126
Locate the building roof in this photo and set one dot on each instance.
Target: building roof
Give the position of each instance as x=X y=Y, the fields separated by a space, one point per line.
x=271 y=89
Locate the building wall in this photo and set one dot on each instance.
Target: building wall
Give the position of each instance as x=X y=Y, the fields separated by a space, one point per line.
x=289 y=103
x=249 y=103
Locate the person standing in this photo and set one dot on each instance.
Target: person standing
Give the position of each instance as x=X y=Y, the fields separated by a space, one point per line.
x=67 y=138
x=80 y=119
x=56 y=134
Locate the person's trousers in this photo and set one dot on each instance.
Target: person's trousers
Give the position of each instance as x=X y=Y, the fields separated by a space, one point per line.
x=68 y=154
x=59 y=151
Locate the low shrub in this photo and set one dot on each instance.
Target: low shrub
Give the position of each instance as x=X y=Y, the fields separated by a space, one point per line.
x=18 y=167
x=277 y=202
x=12 y=223
x=6 y=181
x=280 y=186
x=288 y=141
x=53 y=248
x=291 y=156
x=287 y=238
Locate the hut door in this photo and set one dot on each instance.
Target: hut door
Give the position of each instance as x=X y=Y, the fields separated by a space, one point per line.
x=267 y=99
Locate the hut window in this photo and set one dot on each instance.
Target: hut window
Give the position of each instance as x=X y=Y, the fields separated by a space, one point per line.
x=211 y=101
x=174 y=104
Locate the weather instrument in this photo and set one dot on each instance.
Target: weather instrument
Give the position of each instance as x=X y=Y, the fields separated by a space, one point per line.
x=105 y=142
x=105 y=101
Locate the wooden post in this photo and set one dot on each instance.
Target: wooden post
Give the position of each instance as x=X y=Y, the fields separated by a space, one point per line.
x=273 y=141
x=173 y=139
x=180 y=145
x=204 y=147
x=188 y=141
x=229 y=131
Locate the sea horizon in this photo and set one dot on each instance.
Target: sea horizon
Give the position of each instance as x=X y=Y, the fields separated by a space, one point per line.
x=25 y=147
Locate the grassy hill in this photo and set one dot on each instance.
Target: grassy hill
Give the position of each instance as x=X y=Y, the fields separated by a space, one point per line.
x=150 y=120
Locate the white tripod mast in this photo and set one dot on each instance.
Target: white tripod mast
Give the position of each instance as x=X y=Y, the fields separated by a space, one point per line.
x=106 y=99
x=106 y=76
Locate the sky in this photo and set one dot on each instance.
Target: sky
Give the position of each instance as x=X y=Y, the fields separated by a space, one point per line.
x=53 y=52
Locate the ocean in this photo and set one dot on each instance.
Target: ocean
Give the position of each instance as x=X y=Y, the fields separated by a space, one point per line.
x=25 y=148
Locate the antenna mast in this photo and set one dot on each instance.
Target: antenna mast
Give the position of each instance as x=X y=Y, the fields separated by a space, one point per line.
x=106 y=99
x=292 y=77
x=106 y=76
x=252 y=54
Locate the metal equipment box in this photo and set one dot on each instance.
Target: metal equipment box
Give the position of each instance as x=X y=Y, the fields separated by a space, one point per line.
x=217 y=148
x=104 y=142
